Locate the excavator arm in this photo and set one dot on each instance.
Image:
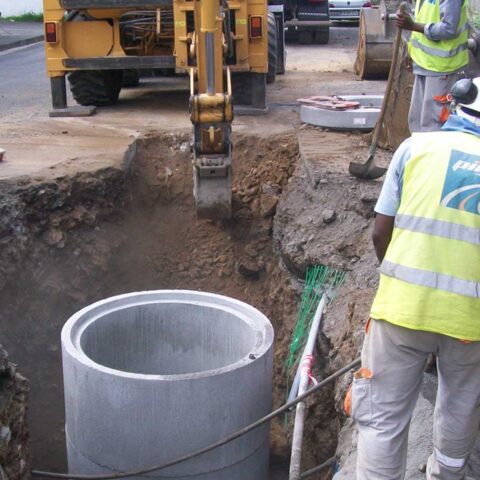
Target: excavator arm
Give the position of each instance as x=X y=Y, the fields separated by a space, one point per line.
x=211 y=113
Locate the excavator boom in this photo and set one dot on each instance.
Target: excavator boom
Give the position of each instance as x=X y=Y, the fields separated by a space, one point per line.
x=211 y=114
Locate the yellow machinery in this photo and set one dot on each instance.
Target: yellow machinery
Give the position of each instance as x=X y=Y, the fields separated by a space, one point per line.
x=101 y=44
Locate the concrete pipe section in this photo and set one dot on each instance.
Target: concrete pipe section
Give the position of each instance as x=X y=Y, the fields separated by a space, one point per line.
x=151 y=376
x=362 y=118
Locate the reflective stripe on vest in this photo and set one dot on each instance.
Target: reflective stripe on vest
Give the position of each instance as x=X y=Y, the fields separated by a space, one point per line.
x=440 y=228
x=446 y=55
x=437 y=52
x=430 y=277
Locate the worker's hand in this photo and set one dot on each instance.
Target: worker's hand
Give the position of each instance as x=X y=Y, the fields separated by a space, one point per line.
x=404 y=21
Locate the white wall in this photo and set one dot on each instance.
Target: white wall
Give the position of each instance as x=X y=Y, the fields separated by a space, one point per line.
x=17 y=7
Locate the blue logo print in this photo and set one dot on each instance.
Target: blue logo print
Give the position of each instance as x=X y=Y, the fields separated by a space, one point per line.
x=461 y=189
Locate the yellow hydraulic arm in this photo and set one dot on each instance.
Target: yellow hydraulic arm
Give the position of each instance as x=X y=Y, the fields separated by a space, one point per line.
x=211 y=113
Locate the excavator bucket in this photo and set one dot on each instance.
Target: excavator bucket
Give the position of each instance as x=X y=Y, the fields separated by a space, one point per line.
x=212 y=177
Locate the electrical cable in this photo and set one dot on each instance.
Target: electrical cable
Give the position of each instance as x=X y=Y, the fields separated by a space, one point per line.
x=331 y=461
x=213 y=446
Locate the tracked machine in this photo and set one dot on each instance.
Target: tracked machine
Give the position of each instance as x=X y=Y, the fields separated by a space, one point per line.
x=230 y=49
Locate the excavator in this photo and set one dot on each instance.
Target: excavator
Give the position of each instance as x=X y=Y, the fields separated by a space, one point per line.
x=229 y=49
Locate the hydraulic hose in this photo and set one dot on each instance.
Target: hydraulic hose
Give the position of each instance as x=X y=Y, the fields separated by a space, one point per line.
x=213 y=446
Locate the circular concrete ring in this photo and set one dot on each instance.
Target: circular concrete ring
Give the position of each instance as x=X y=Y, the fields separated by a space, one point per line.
x=363 y=118
x=151 y=376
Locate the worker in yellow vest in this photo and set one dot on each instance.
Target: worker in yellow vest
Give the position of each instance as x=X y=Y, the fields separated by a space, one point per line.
x=427 y=237
x=438 y=48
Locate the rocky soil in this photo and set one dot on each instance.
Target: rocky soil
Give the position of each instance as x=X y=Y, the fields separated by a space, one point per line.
x=14 y=436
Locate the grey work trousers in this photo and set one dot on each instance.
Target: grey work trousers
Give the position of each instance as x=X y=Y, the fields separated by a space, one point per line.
x=382 y=405
x=424 y=114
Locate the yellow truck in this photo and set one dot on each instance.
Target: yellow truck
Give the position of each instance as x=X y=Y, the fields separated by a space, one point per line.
x=229 y=48
x=101 y=45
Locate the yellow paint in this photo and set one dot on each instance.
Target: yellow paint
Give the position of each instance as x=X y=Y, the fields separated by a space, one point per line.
x=100 y=39
x=100 y=35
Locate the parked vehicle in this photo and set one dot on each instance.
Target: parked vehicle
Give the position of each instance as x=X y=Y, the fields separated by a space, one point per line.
x=347 y=9
x=306 y=21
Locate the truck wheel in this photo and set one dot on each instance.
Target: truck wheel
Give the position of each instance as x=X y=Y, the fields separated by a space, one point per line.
x=272 y=48
x=306 y=37
x=95 y=87
x=322 y=35
x=249 y=89
x=291 y=35
x=130 y=78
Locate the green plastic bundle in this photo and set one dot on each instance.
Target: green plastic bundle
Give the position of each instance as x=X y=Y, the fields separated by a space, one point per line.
x=319 y=280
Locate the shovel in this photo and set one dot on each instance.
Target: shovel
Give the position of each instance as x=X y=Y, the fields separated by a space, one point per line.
x=368 y=170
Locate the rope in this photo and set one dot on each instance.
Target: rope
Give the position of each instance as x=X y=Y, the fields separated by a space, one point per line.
x=213 y=446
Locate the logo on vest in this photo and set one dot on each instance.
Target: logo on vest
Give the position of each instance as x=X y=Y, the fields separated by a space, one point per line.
x=461 y=189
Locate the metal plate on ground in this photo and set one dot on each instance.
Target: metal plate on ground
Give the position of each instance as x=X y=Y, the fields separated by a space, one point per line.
x=363 y=118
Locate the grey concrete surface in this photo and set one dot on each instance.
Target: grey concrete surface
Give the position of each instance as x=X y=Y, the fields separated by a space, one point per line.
x=17 y=34
x=152 y=376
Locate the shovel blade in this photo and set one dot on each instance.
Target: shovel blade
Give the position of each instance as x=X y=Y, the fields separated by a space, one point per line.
x=366 y=170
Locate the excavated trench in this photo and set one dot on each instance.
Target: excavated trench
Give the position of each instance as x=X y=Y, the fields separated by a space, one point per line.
x=70 y=240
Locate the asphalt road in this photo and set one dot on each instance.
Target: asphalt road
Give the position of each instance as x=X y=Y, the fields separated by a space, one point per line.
x=25 y=88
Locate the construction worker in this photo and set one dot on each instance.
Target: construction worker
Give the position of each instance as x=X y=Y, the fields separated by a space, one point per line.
x=427 y=237
x=438 y=48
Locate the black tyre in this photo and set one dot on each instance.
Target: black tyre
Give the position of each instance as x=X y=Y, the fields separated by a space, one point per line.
x=272 y=48
x=95 y=87
x=306 y=36
x=291 y=35
x=249 y=89
x=130 y=78
x=281 y=50
x=322 y=36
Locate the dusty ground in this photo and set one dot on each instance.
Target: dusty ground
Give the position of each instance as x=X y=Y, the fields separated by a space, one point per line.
x=82 y=218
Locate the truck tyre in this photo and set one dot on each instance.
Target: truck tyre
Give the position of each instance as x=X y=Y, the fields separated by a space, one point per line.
x=272 y=48
x=322 y=35
x=305 y=36
x=130 y=78
x=249 y=89
x=291 y=35
x=95 y=87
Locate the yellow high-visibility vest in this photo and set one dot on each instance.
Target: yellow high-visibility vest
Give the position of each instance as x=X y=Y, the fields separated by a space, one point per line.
x=445 y=55
x=430 y=276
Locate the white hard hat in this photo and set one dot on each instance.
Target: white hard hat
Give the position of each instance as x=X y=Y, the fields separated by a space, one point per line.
x=466 y=94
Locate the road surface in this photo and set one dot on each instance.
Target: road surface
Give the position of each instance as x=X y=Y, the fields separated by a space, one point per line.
x=25 y=88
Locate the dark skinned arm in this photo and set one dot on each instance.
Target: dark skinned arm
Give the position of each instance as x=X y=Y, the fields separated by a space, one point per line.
x=382 y=234
x=406 y=22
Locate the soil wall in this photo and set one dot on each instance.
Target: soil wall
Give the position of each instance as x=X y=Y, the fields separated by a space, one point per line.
x=14 y=436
